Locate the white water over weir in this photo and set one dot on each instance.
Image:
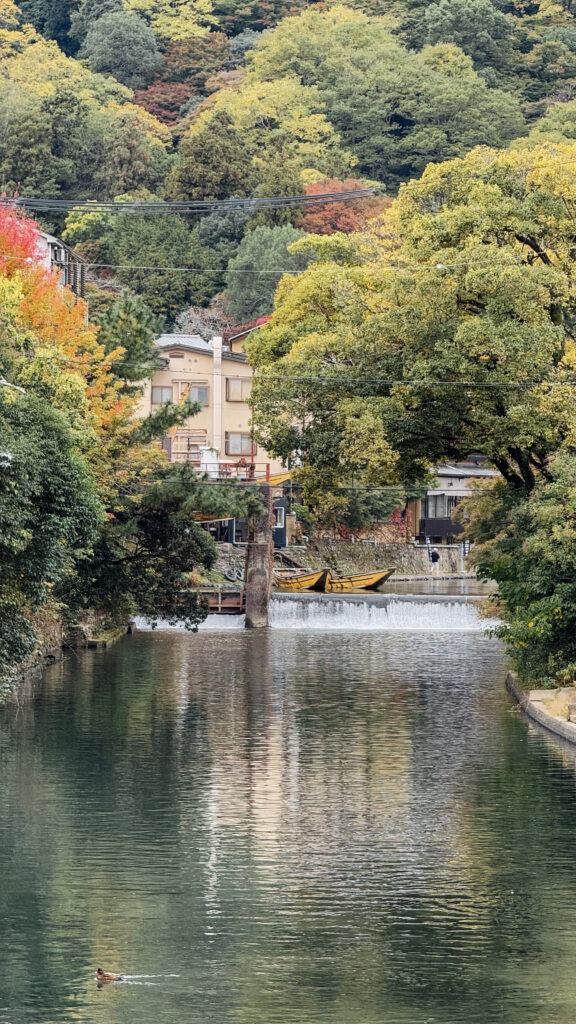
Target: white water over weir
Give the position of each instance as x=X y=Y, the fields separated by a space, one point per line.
x=358 y=612
x=379 y=612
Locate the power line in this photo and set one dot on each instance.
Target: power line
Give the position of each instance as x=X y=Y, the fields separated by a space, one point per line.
x=510 y=261
x=155 y=208
x=425 y=383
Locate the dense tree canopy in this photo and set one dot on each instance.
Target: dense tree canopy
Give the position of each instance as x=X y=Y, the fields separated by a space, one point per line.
x=174 y=19
x=393 y=109
x=418 y=333
x=163 y=242
x=487 y=299
x=92 y=516
x=123 y=45
x=256 y=269
x=477 y=27
x=65 y=131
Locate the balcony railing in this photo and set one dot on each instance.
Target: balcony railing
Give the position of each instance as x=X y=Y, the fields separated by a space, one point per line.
x=244 y=470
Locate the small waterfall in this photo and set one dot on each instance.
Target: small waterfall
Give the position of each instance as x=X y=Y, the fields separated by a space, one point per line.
x=379 y=613
x=375 y=613
x=213 y=624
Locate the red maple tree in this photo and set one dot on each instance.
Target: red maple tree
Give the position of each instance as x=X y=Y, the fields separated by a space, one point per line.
x=346 y=217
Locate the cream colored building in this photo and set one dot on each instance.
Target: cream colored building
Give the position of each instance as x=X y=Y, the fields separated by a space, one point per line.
x=218 y=439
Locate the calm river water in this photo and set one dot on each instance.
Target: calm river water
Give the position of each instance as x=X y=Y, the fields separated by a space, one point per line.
x=293 y=828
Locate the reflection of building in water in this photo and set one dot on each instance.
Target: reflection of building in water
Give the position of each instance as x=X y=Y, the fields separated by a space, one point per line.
x=298 y=763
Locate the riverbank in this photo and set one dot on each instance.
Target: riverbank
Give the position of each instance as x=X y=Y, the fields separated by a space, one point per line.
x=550 y=708
x=345 y=558
x=56 y=641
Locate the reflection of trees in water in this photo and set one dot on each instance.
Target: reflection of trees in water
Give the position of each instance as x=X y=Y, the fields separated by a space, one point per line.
x=345 y=828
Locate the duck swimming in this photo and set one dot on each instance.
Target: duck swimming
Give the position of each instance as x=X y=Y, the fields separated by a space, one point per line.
x=107 y=975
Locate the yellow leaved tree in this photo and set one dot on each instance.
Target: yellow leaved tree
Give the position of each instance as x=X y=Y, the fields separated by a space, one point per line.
x=173 y=20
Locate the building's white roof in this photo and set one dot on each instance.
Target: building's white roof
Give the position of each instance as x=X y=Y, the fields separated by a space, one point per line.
x=192 y=342
x=465 y=472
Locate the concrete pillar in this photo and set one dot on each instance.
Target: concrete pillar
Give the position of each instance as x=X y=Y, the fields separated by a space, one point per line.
x=217 y=396
x=259 y=562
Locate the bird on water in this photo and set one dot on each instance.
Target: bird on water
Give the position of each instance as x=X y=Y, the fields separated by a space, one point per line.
x=107 y=976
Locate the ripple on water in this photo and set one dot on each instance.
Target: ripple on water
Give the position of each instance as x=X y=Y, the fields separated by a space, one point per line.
x=344 y=827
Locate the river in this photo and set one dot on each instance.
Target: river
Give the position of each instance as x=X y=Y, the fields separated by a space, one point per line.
x=308 y=826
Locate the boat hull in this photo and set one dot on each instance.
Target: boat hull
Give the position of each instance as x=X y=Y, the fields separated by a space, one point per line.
x=361 y=581
x=303 y=581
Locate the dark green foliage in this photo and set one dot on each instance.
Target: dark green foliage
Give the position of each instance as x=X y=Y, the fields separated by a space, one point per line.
x=222 y=226
x=50 y=148
x=395 y=110
x=52 y=19
x=89 y=12
x=61 y=146
x=476 y=27
x=141 y=561
x=222 y=232
x=158 y=242
x=527 y=543
x=213 y=164
x=257 y=15
x=169 y=415
x=49 y=514
x=48 y=505
x=130 y=323
x=562 y=34
x=254 y=272
x=124 y=46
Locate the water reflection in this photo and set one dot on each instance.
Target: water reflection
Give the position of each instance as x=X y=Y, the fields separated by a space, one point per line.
x=287 y=827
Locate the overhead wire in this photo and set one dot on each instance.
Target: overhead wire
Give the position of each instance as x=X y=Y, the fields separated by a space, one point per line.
x=511 y=260
x=318 y=379
x=167 y=207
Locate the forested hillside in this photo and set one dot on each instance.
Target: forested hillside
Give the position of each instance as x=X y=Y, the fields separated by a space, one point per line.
x=198 y=99
x=435 y=318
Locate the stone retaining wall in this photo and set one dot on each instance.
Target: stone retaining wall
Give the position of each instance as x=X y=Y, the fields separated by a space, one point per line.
x=533 y=706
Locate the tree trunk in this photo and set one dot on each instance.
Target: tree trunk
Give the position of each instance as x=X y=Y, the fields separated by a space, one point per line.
x=259 y=562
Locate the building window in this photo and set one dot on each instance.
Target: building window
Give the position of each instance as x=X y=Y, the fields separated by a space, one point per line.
x=198 y=394
x=280 y=518
x=195 y=392
x=238 y=389
x=161 y=395
x=240 y=444
x=440 y=506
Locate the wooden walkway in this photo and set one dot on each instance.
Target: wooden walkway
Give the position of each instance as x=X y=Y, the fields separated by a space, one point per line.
x=226 y=602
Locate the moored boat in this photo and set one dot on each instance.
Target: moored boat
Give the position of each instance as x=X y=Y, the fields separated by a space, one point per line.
x=361 y=581
x=302 y=580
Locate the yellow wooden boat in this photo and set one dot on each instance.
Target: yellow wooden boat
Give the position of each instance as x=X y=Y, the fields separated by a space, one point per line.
x=302 y=580
x=363 y=581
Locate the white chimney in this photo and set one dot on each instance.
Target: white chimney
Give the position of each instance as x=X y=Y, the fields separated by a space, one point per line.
x=217 y=394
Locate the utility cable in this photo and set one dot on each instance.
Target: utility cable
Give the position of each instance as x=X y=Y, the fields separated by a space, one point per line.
x=414 y=383
x=509 y=261
x=143 y=208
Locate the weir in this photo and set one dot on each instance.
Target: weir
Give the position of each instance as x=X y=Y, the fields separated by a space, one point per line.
x=378 y=612
x=359 y=612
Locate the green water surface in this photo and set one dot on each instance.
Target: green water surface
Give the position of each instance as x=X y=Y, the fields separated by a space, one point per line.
x=289 y=829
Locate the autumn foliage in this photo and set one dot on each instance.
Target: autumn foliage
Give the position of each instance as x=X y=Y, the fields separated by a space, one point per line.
x=19 y=240
x=63 y=356
x=345 y=217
